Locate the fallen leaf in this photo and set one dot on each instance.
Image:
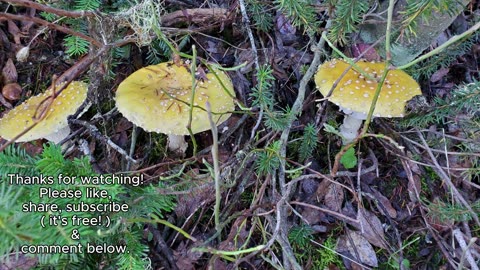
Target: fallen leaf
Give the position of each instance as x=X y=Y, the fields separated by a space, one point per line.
x=185 y=258
x=18 y=261
x=9 y=72
x=196 y=197
x=218 y=264
x=385 y=203
x=5 y=103
x=15 y=31
x=370 y=54
x=237 y=236
x=334 y=197
x=27 y=24
x=312 y=216
x=284 y=25
x=439 y=74
x=371 y=228
x=358 y=245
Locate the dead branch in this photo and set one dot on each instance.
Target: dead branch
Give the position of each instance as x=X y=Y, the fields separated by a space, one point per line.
x=59 y=12
x=196 y=15
x=8 y=16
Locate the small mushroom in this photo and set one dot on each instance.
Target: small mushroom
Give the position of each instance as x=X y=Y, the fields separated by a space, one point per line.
x=54 y=127
x=354 y=92
x=157 y=98
x=12 y=91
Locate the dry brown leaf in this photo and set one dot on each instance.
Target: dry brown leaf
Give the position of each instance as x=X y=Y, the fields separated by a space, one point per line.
x=196 y=198
x=439 y=75
x=217 y=264
x=359 y=246
x=237 y=236
x=334 y=197
x=19 y=262
x=15 y=31
x=312 y=216
x=414 y=184
x=5 y=103
x=368 y=53
x=371 y=228
x=9 y=72
x=26 y=25
x=185 y=258
x=385 y=203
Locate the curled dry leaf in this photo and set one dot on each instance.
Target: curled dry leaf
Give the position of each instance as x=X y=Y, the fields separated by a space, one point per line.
x=18 y=261
x=15 y=31
x=5 y=103
x=371 y=228
x=334 y=197
x=185 y=257
x=12 y=91
x=237 y=236
x=9 y=72
x=358 y=245
x=385 y=203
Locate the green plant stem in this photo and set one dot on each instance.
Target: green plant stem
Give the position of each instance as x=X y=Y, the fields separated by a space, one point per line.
x=132 y=146
x=170 y=225
x=229 y=253
x=193 y=68
x=216 y=169
x=386 y=70
x=377 y=91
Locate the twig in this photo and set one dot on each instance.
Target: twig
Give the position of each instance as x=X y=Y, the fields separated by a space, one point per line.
x=440 y=151
x=50 y=25
x=196 y=15
x=246 y=24
x=93 y=130
x=59 y=12
x=458 y=197
x=466 y=253
x=411 y=179
x=193 y=67
x=132 y=146
x=216 y=169
x=296 y=110
x=333 y=213
x=162 y=248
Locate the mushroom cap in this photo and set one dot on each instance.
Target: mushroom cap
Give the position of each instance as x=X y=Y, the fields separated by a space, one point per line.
x=157 y=98
x=354 y=92
x=21 y=117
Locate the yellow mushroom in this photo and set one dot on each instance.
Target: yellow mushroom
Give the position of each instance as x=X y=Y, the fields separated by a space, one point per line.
x=354 y=92
x=54 y=127
x=157 y=98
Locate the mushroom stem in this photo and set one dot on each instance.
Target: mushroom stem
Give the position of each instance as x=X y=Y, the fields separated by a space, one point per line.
x=59 y=135
x=177 y=144
x=349 y=128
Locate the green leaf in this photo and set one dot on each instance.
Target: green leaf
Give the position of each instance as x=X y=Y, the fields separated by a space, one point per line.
x=349 y=160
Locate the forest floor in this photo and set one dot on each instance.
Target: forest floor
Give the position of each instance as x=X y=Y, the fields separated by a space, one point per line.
x=277 y=189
